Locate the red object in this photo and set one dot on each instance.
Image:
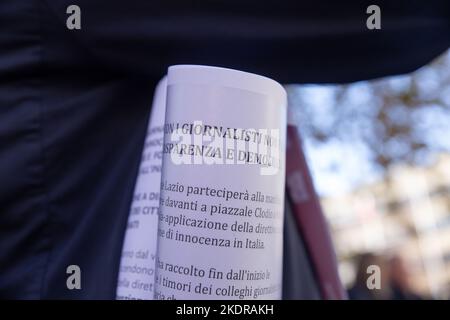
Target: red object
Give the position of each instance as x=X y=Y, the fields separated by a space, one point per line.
x=310 y=218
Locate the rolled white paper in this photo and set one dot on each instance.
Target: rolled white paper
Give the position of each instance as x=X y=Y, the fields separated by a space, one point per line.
x=222 y=186
x=137 y=266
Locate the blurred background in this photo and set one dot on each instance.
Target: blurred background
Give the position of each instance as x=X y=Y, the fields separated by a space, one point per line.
x=379 y=152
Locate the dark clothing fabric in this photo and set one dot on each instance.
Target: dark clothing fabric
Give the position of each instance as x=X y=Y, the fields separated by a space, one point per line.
x=74 y=105
x=299 y=277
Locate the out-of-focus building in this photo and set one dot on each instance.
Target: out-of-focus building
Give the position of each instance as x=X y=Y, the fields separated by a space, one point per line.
x=408 y=212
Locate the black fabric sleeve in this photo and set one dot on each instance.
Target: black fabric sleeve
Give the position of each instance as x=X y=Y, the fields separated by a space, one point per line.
x=292 y=41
